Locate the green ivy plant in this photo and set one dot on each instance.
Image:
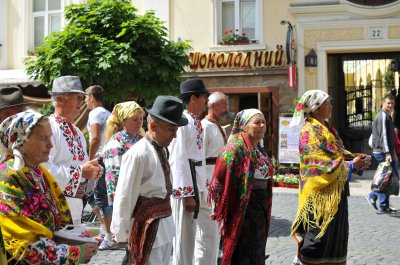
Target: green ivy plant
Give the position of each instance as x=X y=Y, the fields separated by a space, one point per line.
x=106 y=42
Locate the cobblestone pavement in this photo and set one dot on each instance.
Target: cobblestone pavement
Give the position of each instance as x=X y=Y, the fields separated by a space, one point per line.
x=374 y=239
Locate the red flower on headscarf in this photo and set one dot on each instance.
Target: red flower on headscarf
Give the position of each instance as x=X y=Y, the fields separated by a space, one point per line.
x=33 y=256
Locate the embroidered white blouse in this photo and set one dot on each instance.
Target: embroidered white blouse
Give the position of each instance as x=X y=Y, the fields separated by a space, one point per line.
x=213 y=143
x=141 y=174
x=188 y=144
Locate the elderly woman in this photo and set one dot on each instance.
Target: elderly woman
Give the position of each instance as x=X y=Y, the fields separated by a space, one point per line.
x=321 y=226
x=123 y=129
x=240 y=191
x=32 y=206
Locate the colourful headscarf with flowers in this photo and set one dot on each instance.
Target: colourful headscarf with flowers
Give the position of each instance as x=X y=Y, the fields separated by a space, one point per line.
x=309 y=102
x=14 y=131
x=242 y=118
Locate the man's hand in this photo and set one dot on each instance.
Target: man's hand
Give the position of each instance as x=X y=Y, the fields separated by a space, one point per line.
x=189 y=204
x=92 y=169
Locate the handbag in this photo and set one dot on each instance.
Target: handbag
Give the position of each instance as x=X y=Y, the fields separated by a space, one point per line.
x=381 y=176
x=392 y=187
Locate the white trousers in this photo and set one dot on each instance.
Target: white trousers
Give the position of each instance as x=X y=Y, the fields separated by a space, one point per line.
x=160 y=255
x=195 y=239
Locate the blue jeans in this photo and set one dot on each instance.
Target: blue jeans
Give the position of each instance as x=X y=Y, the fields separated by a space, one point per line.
x=383 y=202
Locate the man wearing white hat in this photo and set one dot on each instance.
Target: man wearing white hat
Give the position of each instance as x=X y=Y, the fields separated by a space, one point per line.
x=68 y=159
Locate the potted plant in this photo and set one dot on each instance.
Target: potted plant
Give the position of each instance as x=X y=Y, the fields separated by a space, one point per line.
x=232 y=38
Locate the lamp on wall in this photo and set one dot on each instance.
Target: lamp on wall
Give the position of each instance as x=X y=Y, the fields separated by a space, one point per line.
x=394 y=65
x=311 y=59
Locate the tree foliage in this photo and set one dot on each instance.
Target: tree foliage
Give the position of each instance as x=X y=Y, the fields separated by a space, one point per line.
x=106 y=42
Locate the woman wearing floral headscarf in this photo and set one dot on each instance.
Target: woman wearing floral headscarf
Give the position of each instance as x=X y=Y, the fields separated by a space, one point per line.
x=123 y=130
x=32 y=206
x=240 y=191
x=321 y=226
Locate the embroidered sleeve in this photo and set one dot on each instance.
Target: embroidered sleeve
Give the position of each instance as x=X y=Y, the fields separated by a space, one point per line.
x=46 y=251
x=112 y=156
x=182 y=179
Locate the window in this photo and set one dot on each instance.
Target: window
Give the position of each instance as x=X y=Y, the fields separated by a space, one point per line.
x=46 y=19
x=240 y=16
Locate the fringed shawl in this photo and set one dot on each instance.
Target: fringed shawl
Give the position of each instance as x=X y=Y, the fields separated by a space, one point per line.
x=322 y=176
x=230 y=189
x=24 y=217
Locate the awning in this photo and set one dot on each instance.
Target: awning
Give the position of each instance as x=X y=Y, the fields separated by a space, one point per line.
x=16 y=77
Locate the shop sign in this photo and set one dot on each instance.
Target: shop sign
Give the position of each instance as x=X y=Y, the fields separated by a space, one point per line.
x=237 y=60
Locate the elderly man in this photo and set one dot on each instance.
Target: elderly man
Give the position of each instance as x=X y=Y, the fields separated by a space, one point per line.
x=68 y=159
x=214 y=141
x=144 y=188
x=189 y=204
x=11 y=102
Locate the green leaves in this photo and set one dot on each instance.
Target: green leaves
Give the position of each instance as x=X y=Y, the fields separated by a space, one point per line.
x=109 y=44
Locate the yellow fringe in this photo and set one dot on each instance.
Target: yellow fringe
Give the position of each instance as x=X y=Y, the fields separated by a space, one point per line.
x=323 y=204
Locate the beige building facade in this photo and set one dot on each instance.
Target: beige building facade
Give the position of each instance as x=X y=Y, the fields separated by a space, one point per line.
x=256 y=73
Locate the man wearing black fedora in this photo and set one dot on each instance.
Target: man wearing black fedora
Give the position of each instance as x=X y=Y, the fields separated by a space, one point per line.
x=11 y=102
x=187 y=158
x=142 y=209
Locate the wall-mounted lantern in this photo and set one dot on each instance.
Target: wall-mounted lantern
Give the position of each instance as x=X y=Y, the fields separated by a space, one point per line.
x=311 y=59
x=394 y=65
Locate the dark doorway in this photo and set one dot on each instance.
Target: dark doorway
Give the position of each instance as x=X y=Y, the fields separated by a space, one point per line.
x=248 y=102
x=357 y=82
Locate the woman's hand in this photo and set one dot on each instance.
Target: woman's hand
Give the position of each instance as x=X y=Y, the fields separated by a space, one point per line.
x=89 y=250
x=361 y=163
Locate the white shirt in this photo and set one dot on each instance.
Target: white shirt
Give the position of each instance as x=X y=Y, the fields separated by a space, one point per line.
x=188 y=144
x=98 y=115
x=141 y=175
x=213 y=143
x=66 y=159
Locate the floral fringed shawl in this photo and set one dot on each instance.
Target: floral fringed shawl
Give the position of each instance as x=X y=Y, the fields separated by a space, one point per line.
x=28 y=215
x=323 y=173
x=231 y=186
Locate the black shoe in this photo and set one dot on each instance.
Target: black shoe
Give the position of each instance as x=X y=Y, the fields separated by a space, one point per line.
x=372 y=202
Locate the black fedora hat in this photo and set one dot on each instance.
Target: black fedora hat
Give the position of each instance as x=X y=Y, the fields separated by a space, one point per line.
x=193 y=86
x=169 y=109
x=11 y=97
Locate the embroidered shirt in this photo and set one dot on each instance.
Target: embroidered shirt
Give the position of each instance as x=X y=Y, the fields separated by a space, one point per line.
x=213 y=143
x=184 y=147
x=141 y=175
x=118 y=144
x=66 y=159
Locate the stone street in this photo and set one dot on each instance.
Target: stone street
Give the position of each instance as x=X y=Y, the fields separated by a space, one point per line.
x=374 y=239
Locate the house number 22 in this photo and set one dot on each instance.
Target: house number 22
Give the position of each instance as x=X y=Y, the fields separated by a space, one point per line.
x=376 y=33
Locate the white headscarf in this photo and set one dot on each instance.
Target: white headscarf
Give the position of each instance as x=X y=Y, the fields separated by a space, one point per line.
x=309 y=102
x=241 y=120
x=14 y=131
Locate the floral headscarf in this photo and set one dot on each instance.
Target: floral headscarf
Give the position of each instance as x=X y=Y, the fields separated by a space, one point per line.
x=309 y=102
x=14 y=131
x=123 y=111
x=241 y=120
